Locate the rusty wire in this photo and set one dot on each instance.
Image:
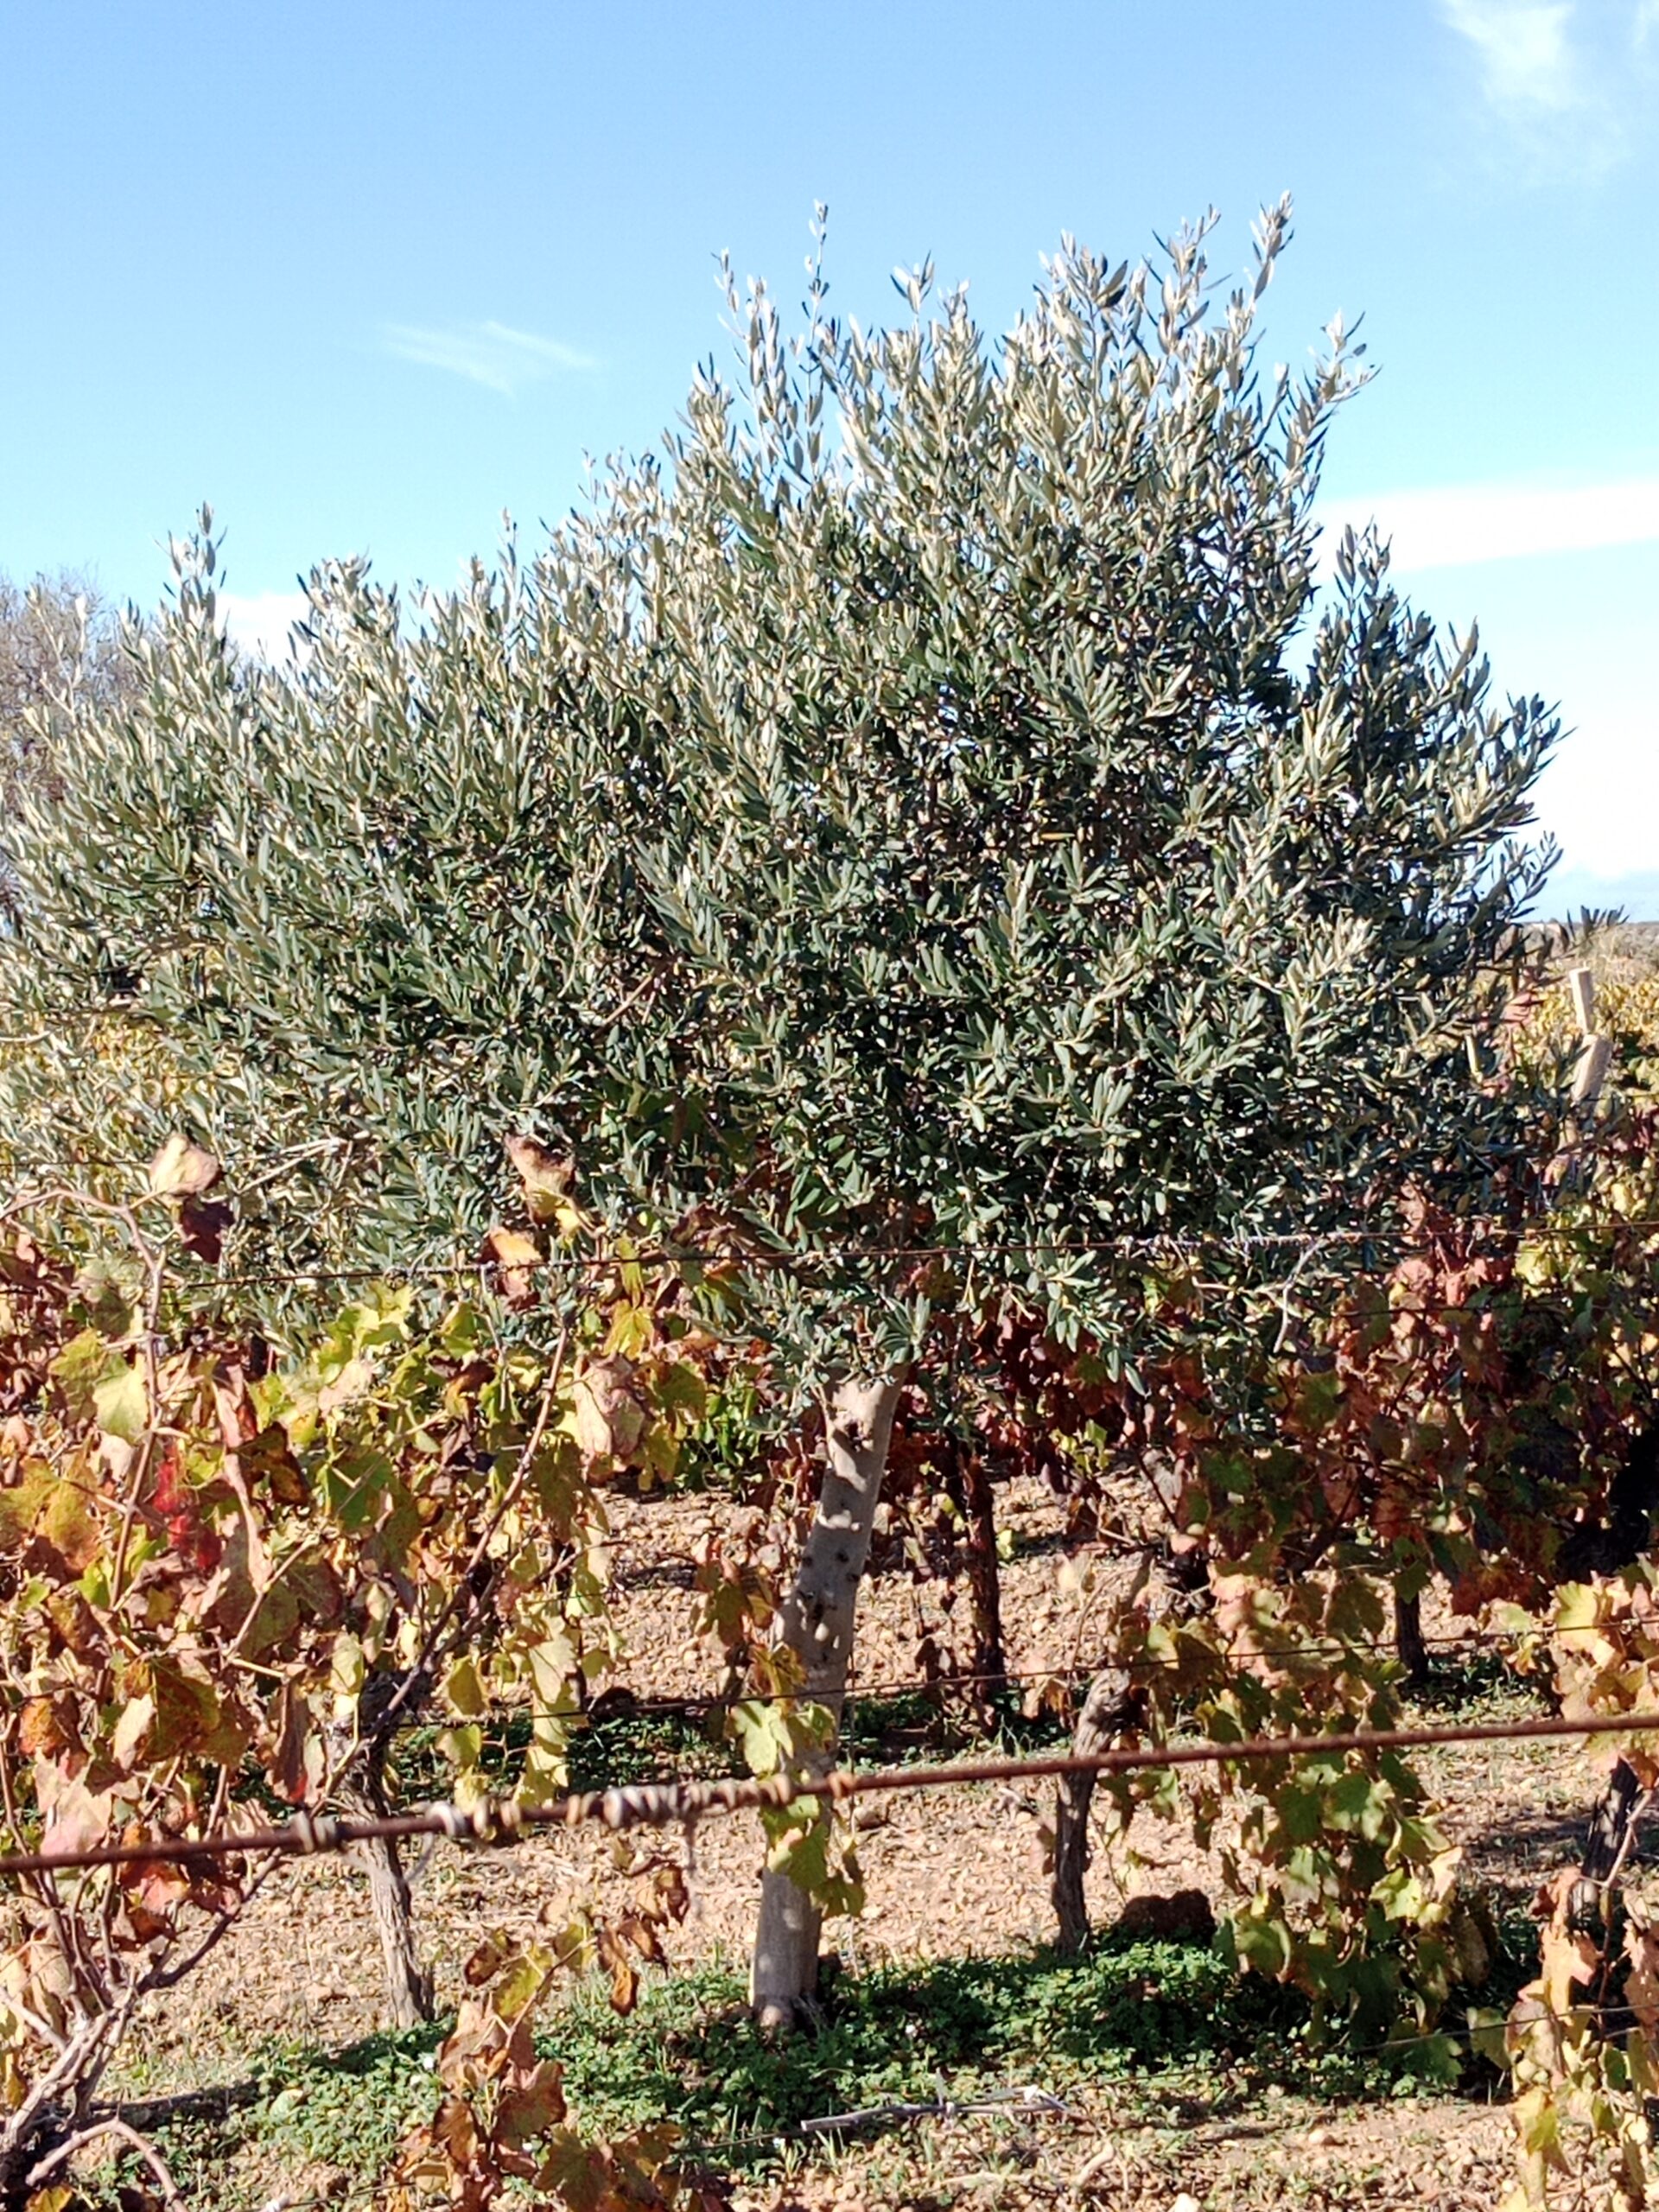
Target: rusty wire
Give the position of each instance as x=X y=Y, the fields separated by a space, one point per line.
x=662 y=1804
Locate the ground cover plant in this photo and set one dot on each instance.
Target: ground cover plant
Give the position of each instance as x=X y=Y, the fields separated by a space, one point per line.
x=1160 y=2017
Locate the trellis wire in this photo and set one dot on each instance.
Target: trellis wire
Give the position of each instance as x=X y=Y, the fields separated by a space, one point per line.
x=680 y=1803
x=1318 y=1647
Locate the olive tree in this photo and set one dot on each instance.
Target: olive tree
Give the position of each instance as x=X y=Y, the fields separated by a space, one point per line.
x=59 y=637
x=923 y=820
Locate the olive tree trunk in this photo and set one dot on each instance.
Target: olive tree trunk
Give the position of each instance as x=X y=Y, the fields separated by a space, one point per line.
x=818 y=1629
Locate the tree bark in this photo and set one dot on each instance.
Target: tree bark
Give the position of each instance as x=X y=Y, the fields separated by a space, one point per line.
x=818 y=1629
x=1113 y=1703
x=1409 y=1641
x=409 y=1987
x=362 y=1789
x=984 y=1577
x=1606 y=1845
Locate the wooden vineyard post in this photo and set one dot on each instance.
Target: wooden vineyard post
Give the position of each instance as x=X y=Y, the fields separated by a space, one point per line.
x=1595 y=1058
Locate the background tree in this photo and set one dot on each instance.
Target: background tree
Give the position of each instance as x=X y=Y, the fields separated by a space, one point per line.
x=59 y=637
x=917 y=828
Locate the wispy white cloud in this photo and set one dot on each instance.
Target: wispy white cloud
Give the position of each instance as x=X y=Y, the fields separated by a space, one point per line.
x=1459 y=523
x=1564 y=88
x=490 y=353
x=1525 y=58
x=260 y=621
x=1600 y=798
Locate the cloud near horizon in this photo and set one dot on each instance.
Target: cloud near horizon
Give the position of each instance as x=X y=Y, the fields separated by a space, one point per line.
x=1600 y=796
x=1460 y=524
x=491 y=353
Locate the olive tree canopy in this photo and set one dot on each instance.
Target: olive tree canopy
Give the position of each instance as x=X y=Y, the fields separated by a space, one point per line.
x=912 y=807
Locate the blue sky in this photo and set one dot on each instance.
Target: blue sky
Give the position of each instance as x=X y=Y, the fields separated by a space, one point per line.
x=367 y=276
